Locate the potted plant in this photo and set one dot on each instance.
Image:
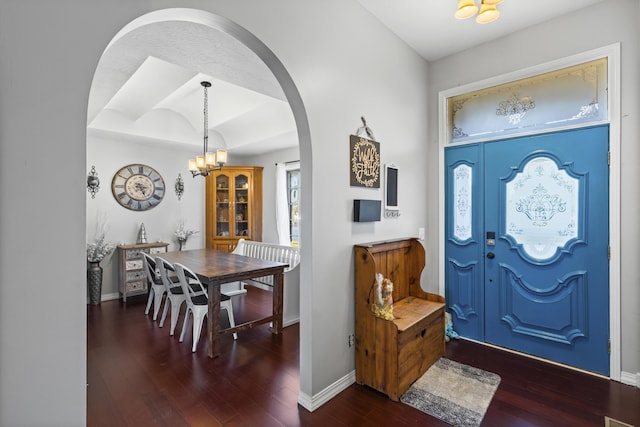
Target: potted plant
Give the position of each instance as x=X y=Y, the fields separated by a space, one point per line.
x=96 y=251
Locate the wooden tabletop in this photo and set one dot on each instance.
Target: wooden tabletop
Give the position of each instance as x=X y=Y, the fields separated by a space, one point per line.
x=214 y=266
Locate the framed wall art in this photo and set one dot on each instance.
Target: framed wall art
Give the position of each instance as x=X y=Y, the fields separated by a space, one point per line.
x=364 y=159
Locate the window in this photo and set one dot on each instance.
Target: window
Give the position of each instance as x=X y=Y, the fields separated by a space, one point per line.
x=293 y=191
x=571 y=96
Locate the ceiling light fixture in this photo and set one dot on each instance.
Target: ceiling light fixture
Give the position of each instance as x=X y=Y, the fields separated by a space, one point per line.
x=488 y=10
x=466 y=9
x=207 y=162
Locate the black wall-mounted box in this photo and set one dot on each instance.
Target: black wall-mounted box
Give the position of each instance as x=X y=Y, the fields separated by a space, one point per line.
x=366 y=210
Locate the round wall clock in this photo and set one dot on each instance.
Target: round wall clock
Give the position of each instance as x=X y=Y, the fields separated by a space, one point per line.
x=138 y=187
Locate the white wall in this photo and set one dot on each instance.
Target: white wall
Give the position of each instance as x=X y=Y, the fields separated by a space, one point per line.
x=160 y=222
x=347 y=66
x=344 y=65
x=590 y=28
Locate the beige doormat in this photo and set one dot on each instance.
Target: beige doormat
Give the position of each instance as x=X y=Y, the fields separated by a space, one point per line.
x=610 y=422
x=455 y=393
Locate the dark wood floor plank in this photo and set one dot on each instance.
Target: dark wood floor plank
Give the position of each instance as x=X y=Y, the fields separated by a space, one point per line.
x=139 y=375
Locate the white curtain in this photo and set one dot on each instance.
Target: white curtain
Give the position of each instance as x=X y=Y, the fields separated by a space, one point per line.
x=282 y=205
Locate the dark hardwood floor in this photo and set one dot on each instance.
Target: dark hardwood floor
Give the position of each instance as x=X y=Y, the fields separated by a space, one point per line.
x=138 y=375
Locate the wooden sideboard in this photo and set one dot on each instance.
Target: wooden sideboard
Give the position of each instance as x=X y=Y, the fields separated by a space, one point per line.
x=133 y=277
x=392 y=354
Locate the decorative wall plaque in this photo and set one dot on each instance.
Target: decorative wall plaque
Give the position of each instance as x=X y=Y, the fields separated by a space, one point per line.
x=365 y=162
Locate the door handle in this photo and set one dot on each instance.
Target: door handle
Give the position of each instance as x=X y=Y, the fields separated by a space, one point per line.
x=491 y=255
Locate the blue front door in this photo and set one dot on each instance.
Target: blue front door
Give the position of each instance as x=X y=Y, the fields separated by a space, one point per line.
x=533 y=274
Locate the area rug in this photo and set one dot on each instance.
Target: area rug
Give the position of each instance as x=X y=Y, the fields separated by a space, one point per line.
x=455 y=393
x=610 y=422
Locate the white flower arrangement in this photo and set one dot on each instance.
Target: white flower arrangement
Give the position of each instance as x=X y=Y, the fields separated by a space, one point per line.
x=183 y=233
x=100 y=247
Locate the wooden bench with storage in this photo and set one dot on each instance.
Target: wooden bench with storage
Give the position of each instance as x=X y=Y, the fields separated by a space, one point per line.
x=392 y=354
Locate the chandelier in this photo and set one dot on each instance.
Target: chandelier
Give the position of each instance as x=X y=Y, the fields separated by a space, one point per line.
x=488 y=11
x=208 y=161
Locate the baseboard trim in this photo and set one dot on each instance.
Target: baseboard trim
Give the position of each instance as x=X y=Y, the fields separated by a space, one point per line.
x=630 y=379
x=289 y=322
x=311 y=403
x=238 y=292
x=116 y=295
x=110 y=297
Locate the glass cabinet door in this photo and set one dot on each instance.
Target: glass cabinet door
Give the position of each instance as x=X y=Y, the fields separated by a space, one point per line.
x=223 y=206
x=241 y=202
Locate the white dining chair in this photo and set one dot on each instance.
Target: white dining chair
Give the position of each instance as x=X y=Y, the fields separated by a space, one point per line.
x=175 y=293
x=155 y=285
x=198 y=304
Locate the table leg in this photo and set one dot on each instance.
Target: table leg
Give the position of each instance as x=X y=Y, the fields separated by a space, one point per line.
x=278 y=284
x=213 y=320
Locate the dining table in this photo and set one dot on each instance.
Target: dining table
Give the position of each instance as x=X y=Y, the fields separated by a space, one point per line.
x=214 y=268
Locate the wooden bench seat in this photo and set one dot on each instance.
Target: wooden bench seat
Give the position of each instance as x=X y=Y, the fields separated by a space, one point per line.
x=411 y=310
x=392 y=354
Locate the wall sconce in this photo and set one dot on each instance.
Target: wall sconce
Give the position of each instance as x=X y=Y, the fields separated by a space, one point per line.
x=93 y=182
x=179 y=186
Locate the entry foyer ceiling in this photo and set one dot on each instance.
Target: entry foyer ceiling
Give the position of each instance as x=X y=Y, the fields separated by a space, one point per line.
x=147 y=84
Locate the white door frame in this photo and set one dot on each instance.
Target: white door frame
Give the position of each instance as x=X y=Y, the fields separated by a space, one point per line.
x=612 y=53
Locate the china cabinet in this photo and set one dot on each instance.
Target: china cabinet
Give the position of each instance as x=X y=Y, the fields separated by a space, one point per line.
x=233 y=206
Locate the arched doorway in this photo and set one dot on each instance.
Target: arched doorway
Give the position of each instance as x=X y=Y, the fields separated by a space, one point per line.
x=288 y=87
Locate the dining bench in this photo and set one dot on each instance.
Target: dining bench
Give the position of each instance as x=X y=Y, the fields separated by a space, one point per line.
x=276 y=253
x=268 y=252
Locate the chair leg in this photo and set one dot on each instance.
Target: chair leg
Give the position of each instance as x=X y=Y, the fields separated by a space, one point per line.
x=185 y=323
x=198 y=319
x=157 y=301
x=164 y=312
x=175 y=312
x=149 y=301
x=229 y=307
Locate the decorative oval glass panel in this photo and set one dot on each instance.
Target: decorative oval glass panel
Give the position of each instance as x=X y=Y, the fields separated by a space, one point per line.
x=542 y=208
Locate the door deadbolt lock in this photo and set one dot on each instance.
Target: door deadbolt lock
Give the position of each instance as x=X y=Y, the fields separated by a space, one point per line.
x=491 y=238
x=491 y=255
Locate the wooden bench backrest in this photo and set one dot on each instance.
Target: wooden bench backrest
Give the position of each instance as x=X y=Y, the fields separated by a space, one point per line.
x=401 y=261
x=269 y=252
